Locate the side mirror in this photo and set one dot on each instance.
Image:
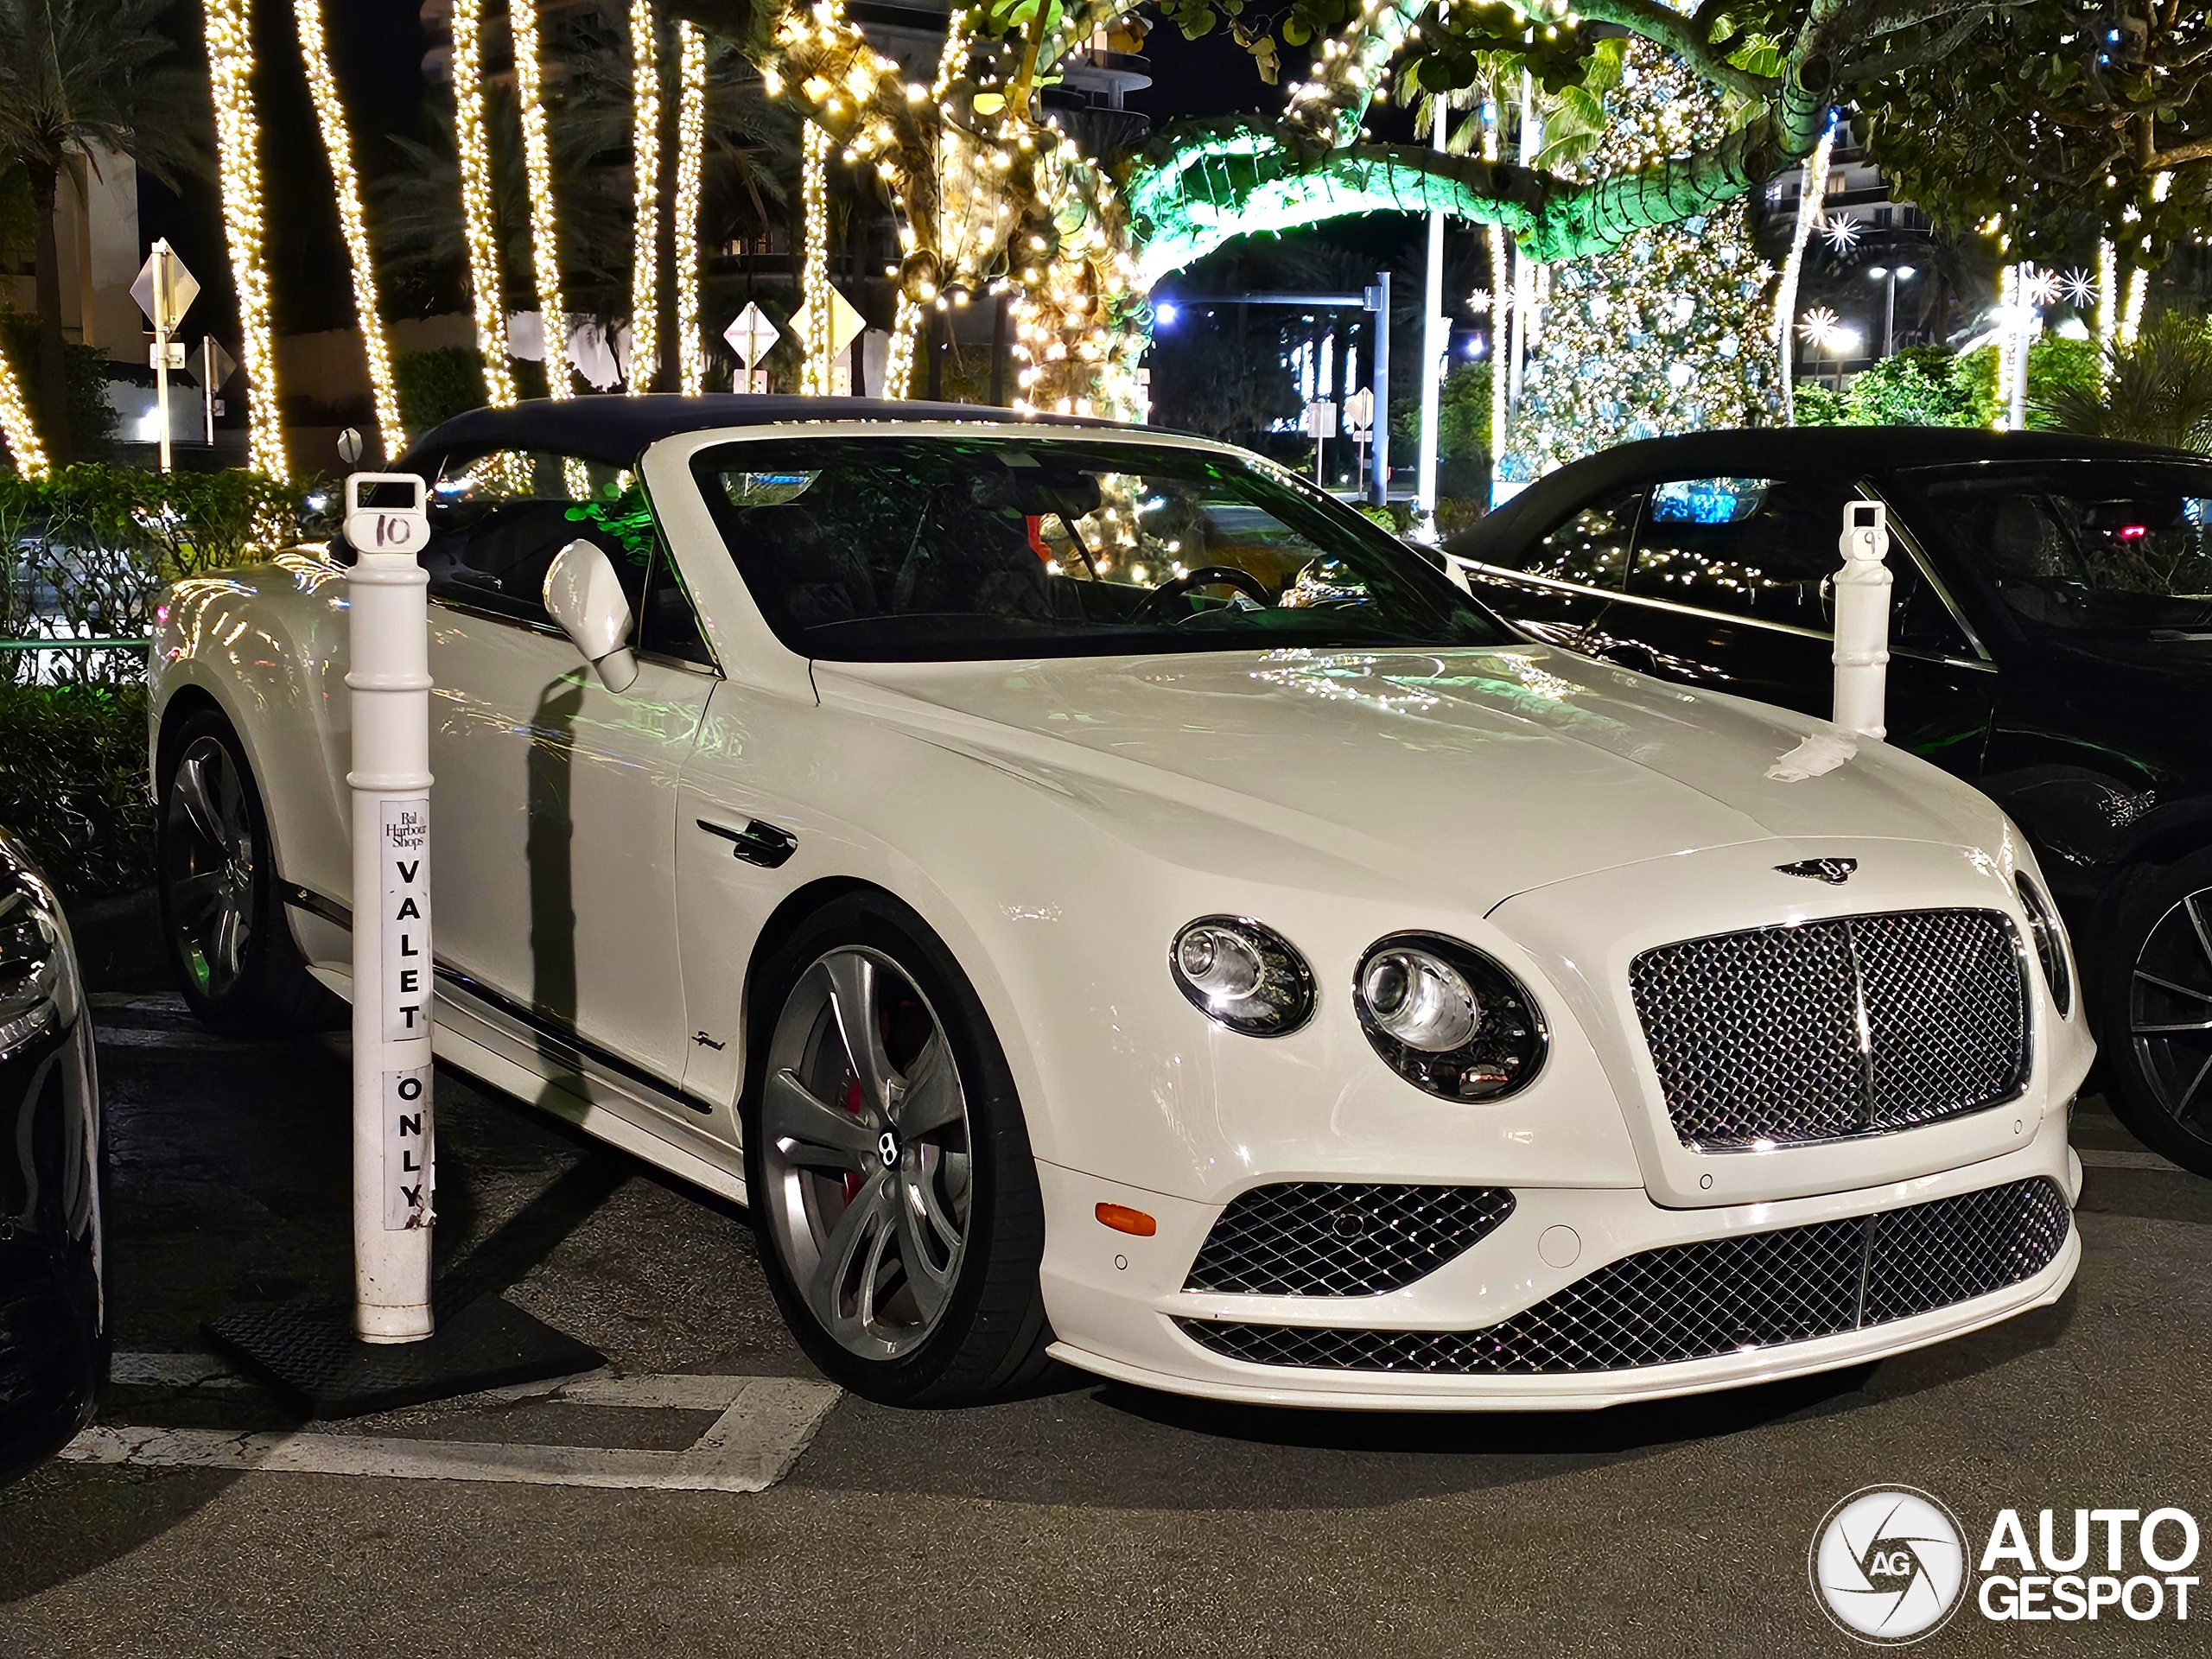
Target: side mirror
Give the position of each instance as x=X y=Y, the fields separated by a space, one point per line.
x=584 y=597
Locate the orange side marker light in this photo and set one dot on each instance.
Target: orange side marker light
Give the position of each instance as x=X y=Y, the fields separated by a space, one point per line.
x=1123 y=1219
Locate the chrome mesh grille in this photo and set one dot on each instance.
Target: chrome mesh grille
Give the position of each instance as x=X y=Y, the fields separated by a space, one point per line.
x=1756 y=1036
x=1327 y=1238
x=1718 y=1296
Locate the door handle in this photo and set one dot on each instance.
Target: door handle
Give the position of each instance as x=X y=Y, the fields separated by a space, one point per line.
x=757 y=843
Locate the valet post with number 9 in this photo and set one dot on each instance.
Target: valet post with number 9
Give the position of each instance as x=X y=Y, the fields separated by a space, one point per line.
x=389 y=682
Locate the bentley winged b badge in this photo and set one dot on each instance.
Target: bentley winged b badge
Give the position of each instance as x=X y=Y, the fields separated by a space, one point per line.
x=1834 y=871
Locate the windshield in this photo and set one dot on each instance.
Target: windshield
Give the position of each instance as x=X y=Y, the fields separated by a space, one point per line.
x=906 y=549
x=2084 y=546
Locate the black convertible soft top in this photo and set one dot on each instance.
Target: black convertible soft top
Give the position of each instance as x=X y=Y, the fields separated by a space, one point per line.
x=616 y=430
x=1748 y=452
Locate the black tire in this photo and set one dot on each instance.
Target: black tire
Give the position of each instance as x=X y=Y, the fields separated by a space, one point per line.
x=212 y=847
x=2157 y=972
x=988 y=1336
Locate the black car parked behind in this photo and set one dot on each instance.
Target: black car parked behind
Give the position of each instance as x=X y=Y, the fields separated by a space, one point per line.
x=2050 y=642
x=52 y=1319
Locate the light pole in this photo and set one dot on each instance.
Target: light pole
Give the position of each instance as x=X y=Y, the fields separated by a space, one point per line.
x=1889 y=278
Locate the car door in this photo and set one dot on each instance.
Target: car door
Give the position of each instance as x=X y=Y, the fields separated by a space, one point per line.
x=1730 y=589
x=1561 y=582
x=749 y=830
x=555 y=798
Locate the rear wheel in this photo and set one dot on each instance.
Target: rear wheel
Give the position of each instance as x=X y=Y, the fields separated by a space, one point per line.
x=222 y=915
x=891 y=1179
x=2156 y=1014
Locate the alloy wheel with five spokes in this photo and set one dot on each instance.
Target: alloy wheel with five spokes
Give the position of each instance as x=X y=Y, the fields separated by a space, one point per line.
x=866 y=1152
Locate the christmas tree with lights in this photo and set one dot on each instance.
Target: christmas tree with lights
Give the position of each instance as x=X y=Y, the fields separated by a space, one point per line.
x=1669 y=332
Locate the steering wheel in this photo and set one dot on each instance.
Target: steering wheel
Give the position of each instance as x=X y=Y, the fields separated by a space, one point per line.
x=1206 y=576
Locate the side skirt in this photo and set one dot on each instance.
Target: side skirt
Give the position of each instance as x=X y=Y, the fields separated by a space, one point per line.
x=494 y=1039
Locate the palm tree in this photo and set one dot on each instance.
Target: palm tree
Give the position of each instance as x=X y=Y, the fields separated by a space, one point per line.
x=752 y=144
x=2158 y=390
x=78 y=77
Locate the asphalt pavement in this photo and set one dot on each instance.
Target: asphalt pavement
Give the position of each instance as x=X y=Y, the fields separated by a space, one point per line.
x=620 y=1515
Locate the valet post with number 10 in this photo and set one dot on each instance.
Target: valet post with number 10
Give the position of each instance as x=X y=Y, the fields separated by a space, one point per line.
x=389 y=678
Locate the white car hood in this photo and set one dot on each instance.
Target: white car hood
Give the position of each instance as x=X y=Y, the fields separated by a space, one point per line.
x=1498 y=770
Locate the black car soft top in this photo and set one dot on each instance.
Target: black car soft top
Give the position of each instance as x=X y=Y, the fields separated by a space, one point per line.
x=1755 y=451
x=614 y=431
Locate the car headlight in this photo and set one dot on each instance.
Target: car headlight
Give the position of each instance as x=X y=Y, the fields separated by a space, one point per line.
x=2049 y=936
x=36 y=990
x=1242 y=975
x=1447 y=1017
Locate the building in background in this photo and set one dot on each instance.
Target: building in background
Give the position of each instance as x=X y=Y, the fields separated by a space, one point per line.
x=1872 y=259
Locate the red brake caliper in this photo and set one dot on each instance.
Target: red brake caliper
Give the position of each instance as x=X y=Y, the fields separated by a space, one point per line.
x=853 y=1180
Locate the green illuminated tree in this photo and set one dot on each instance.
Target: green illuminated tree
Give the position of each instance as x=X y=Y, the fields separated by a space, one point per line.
x=987 y=193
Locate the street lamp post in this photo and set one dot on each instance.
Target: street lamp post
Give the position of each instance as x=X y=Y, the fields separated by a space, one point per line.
x=1889 y=278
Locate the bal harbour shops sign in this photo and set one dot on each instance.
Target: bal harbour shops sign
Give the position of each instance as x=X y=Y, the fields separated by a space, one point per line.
x=1890 y=1566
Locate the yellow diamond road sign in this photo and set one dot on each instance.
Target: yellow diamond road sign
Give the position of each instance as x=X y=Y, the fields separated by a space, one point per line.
x=845 y=324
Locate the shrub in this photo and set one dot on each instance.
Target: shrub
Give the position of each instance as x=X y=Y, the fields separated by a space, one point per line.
x=2053 y=364
x=1462 y=419
x=2156 y=391
x=88 y=552
x=106 y=540
x=1919 y=386
x=72 y=784
x=1818 y=405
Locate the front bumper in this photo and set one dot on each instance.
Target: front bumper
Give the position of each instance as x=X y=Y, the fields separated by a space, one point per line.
x=1114 y=1300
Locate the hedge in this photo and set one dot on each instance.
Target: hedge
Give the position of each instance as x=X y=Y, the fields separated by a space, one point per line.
x=72 y=784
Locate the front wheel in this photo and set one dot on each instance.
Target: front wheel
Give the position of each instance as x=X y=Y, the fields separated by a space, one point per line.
x=891 y=1183
x=2155 y=1014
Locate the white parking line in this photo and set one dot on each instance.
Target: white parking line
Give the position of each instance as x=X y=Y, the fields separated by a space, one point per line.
x=765 y=1423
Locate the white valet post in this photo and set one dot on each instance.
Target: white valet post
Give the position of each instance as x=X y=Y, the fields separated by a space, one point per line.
x=389 y=679
x=1862 y=619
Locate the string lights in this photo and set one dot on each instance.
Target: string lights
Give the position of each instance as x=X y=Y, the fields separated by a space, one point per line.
x=2130 y=319
x=899 y=361
x=814 y=276
x=537 y=165
x=1501 y=289
x=18 y=428
x=338 y=145
x=480 y=227
x=691 y=166
x=230 y=68
x=645 y=238
x=1812 y=196
x=2107 y=305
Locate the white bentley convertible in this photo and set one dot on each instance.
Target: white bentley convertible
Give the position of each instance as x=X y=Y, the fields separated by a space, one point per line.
x=1095 y=896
